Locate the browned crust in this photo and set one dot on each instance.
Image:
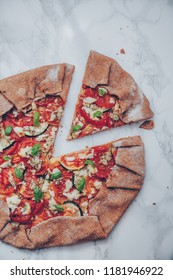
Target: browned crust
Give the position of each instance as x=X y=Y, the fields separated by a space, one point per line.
x=121 y=177
x=109 y=206
x=131 y=158
x=69 y=69
x=65 y=231
x=4 y=214
x=105 y=209
x=128 y=142
x=147 y=125
x=5 y=105
x=97 y=70
x=129 y=168
x=21 y=89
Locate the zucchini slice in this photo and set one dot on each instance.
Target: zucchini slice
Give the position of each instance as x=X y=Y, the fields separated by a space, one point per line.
x=79 y=179
x=69 y=163
x=5 y=142
x=33 y=131
x=74 y=207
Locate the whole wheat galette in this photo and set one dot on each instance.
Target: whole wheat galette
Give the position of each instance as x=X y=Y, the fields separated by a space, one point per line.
x=47 y=201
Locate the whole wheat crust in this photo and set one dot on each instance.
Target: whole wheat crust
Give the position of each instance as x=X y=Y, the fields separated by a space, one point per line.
x=22 y=89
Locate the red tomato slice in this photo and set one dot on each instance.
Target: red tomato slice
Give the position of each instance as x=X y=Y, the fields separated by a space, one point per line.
x=5 y=176
x=17 y=215
x=99 y=123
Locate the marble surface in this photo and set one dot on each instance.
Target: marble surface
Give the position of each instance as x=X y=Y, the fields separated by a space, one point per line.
x=39 y=32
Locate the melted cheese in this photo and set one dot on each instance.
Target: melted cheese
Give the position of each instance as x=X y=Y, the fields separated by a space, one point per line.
x=25 y=152
x=19 y=131
x=75 y=194
x=13 y=202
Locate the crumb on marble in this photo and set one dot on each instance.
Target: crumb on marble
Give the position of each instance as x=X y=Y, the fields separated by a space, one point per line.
x=122 y=51
x=147 y=125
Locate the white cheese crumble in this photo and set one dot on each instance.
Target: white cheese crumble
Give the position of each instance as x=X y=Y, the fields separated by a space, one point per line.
x=98 y=185
x=84 y=206
x=70 y=158
x=13 y=201
x=45 y=186
x=75 y=194
x=6 y=164
x=25 y=152
x=105 y=158
x=26 y=209
x=89 y=100
x=19 y=131
x=11 y=180
x=68 y=185
x=112 y=100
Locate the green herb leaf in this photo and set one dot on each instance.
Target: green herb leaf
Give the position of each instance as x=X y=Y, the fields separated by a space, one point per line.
x=97 y=114
x=55 y=175
x=35 y=149
x=81 y=184
x=18 y=173
x=36 y=118
x=76 y=127
x=37 y=194
x=59 y=207
x=8 y=130
x=6 y=158
x=102 y=91
x=90 y=162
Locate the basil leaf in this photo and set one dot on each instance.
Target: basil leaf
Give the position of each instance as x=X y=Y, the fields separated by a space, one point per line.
x=90 y=162
x=8 y=130
x=76 y=127
x=18 y=173
x=37 y=194
x=36 y=118
x=102 y=91
x=59 y=207
x=81 y=184
x=55 y=175
x=6 y=158
x=97 y=114
x=35 y=149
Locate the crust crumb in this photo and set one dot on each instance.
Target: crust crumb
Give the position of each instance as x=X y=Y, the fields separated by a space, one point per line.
x=147 y=125
x=122 y=51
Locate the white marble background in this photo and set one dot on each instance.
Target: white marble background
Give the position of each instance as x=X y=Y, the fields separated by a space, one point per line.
x=38 y=32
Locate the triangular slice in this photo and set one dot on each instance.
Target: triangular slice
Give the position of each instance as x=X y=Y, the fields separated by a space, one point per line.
x=31 y=106
x=109 y=97
x=81 y=196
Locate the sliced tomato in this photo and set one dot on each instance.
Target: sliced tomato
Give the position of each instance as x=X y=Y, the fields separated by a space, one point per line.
x=5 y=190
x=27 y=142
x=72 y=162
x=98 y=123
x=12 y=149
x=21 y=119
x=25 y=189
x=5 y=176
x=43 y=215
x=17 y=215
x=105 y=102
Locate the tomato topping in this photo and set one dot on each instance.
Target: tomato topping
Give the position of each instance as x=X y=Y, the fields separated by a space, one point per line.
x=20 y=120
x=3 y=189
x=18 y=217
x=6 y=179
x=101 y=122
